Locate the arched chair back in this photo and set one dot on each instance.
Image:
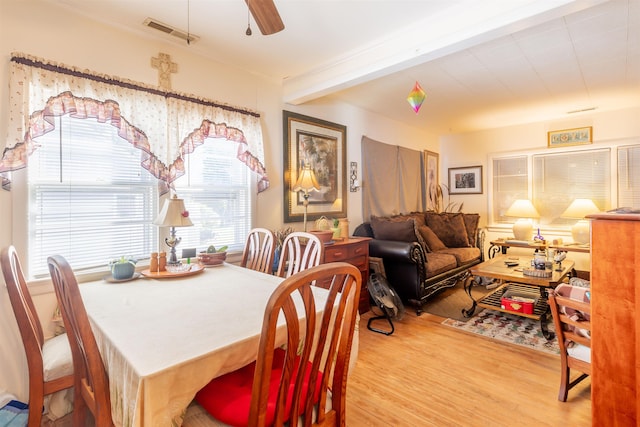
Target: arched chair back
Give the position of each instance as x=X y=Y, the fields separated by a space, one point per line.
x=259 y=250
x=300 y=251
x=49 y=362
x=91 y=384
x=306 y=379
x=571 y=310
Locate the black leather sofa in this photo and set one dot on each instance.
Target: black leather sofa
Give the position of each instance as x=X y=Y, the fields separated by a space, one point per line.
x=418 y=267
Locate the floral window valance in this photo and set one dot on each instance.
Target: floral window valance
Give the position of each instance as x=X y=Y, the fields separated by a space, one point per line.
x=166 y=126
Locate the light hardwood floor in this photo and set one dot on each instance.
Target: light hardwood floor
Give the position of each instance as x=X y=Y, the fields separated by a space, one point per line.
x=427 y=374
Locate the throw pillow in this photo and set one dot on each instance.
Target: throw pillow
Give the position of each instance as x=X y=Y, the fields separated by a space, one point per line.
x=450 y=228
x=471 y=221
x=383 y=229
x=433 y=242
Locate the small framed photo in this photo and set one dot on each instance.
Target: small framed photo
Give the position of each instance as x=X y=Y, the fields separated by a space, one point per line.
x=567 y=137
x=465 y=180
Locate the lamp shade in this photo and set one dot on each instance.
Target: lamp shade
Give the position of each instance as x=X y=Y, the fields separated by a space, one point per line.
x=522 y=208
x=173 y=214
x=306 y=180
x=580 y=208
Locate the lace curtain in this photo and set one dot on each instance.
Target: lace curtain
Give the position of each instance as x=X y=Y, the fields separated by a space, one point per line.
x=165 y=126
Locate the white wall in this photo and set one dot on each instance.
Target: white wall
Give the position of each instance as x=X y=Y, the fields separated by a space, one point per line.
x=41 y=30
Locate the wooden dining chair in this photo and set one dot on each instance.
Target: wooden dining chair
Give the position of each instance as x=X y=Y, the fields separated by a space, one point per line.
x=571 y=310
x=91 y=384
x=304 y=380
x=49 y=362
x=300 y=251
x=259 y=250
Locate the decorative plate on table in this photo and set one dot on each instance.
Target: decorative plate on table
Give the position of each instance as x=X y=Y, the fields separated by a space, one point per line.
x=194 y=269
x=110 y=278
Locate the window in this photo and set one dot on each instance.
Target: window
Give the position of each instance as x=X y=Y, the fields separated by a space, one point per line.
x=89 y=199
x=552 y=179
x=629 y=176
x=216 y=192
x=510 y=183
x=560 y=178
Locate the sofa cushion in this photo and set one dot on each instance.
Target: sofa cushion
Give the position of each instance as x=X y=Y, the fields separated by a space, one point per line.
x=418 y=221
x=471 y=221
x=438 y=262
x=450 y=228
x=433 y=242
x=463 y=255
x=384 y=229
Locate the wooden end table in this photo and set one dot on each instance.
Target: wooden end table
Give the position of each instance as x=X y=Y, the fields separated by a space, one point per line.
x=512 y=278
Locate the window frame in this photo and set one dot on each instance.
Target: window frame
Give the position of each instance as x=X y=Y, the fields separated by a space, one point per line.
x=613 y=145
x=20 y=202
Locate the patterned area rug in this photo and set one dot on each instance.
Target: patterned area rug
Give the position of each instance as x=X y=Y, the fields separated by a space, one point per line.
x=509 y=328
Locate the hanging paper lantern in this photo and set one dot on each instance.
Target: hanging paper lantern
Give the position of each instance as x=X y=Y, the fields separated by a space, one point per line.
x=416 y=97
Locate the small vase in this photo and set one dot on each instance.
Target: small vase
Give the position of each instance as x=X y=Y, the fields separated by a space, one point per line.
x=276 y=259
x=122 y=270
x=336 y=233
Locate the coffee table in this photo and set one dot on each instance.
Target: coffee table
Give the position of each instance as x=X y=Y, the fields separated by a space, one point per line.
x=512 y=278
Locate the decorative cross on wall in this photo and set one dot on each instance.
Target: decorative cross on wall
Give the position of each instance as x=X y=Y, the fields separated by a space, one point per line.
x=165 y=68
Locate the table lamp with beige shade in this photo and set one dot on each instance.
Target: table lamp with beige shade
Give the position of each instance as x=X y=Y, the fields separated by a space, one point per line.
x=524 y=210
x=579 y=209
x=306 y=182
x=173 y=214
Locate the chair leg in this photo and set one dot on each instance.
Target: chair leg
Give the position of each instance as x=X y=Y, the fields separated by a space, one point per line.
x=36 y=405
x=564 y=384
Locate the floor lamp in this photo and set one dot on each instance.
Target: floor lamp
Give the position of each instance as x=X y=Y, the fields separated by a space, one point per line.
x=306 y=182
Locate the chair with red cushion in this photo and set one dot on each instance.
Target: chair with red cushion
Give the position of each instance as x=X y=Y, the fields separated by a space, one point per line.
x=271 y=390
x=49 y=362
x=300 y=251
x=571 y=310
x=259 y=250
x=91 y=384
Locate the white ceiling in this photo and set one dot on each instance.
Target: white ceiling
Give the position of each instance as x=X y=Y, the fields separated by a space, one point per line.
x=483 y=63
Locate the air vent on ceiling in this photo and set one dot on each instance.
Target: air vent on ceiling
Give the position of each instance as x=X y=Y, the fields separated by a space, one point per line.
x=168 y=29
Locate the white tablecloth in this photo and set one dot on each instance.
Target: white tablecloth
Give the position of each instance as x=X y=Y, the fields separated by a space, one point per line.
x=164 y=339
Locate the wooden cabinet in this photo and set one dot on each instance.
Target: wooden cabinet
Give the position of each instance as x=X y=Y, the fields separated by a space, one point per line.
x=615 y=340
x=354 y=250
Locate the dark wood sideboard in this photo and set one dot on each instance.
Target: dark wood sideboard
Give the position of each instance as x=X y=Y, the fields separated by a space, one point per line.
x=354 y=250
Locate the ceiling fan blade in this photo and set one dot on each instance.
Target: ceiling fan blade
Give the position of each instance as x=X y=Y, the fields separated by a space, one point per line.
x=266 y=16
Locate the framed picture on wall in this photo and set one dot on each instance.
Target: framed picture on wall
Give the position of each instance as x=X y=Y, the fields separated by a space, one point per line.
x=432 y=177
x=465 y=180
x=323 y=146
x=567 y=137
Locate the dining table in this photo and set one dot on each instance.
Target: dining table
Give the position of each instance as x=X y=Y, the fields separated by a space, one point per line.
x=163 y=339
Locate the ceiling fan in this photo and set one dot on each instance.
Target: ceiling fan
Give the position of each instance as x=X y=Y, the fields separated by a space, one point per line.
x=266 y=16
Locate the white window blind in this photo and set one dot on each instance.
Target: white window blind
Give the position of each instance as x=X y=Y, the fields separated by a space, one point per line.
x=216 y=192
x=90 y=200
x=510 y=182
x=560 y=178
x=629 y=176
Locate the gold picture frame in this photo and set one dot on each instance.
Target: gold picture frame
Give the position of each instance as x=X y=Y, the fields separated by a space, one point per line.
x=432 y=176
x=323 y=145
x=569 y=137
